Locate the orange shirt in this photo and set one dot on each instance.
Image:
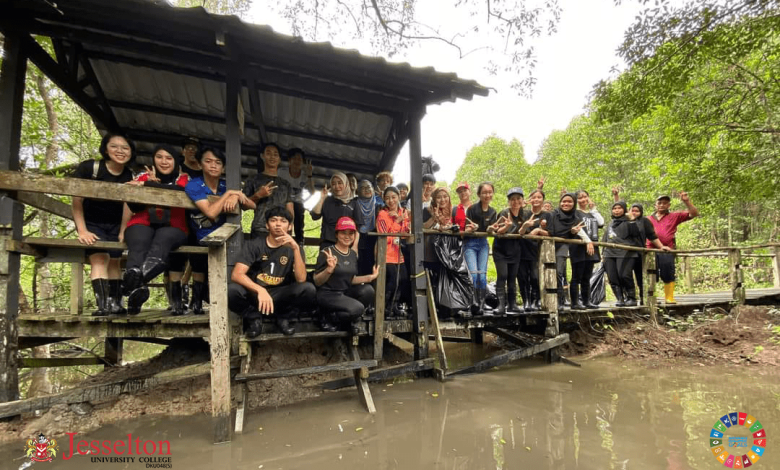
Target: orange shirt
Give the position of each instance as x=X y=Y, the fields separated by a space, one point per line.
x=385 y=223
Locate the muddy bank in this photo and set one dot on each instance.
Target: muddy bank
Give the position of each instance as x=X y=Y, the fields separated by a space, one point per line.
x=192 y=396
x=743 y=336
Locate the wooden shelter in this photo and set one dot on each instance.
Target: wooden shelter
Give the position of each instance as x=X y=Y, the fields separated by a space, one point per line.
x=160 y=74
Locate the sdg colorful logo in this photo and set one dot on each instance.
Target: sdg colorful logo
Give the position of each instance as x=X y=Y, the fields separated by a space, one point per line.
x=738 y=440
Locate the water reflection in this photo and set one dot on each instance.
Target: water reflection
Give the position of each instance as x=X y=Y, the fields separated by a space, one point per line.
x=606 y=415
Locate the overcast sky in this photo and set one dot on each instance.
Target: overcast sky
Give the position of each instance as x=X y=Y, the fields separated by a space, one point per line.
x=569 y=63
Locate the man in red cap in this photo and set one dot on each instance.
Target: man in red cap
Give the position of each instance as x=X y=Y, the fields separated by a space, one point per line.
x=665 y=224
x=459 y=211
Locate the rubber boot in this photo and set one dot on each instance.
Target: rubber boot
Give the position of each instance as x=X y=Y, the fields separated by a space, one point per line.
x=102 y=290
x=152 y=268
x=619 y=302
x=669 y=293
x=284 y=326
x=511 y=305
x=136 y=300
x=501 y=310
x=562 y=304
x=177 y=306
x=196 y=300
x=115 y=287
x=185 y=294
x=576 y=304
x=132 y=280
x=328 y=322
x=475 y=303
x=355 y=326
x=585 y=296
x=483 y=308
x=536 y=295
x=167 y=286
x=629 y=297
x=566 y=299
x=525 y=292
x=253 y=326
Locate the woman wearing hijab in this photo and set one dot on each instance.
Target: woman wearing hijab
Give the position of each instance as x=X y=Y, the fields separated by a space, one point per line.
x=567 y=222
x=393 y=218
x=331 y=208
x=368 y=207
x=646 y=232
x=153 y=232
x=581 y=262
x=618 y=263
x=537 y=220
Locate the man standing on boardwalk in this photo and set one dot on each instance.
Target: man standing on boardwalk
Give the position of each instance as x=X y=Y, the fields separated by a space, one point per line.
x=665 y=224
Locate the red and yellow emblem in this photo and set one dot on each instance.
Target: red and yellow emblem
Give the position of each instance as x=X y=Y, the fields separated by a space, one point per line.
x=42 y=449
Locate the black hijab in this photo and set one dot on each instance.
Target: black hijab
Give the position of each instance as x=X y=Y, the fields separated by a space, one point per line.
x=173 y=175
x=641 y=209
x=563 y=221
x=616 y=221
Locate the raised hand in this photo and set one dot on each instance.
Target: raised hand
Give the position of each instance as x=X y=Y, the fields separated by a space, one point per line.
x=684 y=197
x=309 y=168
x=331 y=260
x=267 y=190
x=264 y=302
x=152 y=174
x=591 y=204
x=530 y=222
x=540 y=183
x=287 y=240
x=325 y=191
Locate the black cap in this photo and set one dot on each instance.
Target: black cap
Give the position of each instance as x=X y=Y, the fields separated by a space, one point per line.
x=663 y=196
x=515 y=190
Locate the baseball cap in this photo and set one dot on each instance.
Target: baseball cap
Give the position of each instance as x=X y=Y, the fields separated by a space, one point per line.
x=345 y=223
x=515 y=190
x=462 y=185
x=663 y=196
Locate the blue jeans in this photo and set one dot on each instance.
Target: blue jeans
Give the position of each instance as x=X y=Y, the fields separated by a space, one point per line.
x=476 y=252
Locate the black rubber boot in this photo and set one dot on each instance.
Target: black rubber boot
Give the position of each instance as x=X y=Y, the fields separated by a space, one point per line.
x=484 y=310
x=534 y=296
x=355 y=326
x=196 y=300
x=618 y=296
x=167 y=287
x=511 y=303
x=566 y=299
x=254 y=327
x=136 y=300
x=102 y=290
x=526 y=295
x=185 y=294
x=328 y=322
x=562 y=304
x=501 y=310
x=177 y=306
x=629 y=297
x=132 y=280
x=152 y=268
x=115 y=287
x=475 y=303
x=576 y=304
x=284 y=326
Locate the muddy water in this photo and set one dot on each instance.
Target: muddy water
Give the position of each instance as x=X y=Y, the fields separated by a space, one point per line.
x=606 y=415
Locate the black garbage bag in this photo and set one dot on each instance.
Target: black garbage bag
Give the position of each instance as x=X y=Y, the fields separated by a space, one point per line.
x=491 y=298
x=598 y=286
x=453 y=289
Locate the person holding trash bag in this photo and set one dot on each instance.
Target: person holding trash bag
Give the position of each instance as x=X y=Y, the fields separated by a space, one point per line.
x=342 y=295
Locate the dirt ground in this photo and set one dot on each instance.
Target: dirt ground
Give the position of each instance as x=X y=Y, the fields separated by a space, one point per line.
x=743 y=336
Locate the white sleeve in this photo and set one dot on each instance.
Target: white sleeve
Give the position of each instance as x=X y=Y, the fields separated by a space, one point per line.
x=584 y=236
x=599 y=218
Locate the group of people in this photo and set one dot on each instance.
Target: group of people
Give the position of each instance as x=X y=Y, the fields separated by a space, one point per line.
x=270 y=275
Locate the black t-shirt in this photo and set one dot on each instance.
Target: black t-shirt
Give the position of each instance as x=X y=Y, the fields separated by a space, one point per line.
x=625 y=233
x=509 y=249
x=268 y=267
x=190 y=171
x=346 y=269
x=279 y=197
x=646 y=231
x=591 y=227
x=530 y=248
x=332 y=210
x=480 y=217
x=99 y=211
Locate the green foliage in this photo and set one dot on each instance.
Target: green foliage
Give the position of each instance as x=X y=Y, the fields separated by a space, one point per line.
x=499 y=162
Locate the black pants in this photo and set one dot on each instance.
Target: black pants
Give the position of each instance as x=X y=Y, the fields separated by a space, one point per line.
x=528 y=278
x=366 y=257
x=398 y=287
x=506 y=275
x=560 y=267
x=298 y=295
x=620 y=272
x=639 y=267
x=149 y=242
x=347 y=305
x=665 y=264
x=581 y=273
x=298 y=212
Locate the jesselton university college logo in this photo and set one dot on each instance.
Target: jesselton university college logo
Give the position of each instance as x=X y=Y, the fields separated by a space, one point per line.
x=44 y=450
x=738 y=441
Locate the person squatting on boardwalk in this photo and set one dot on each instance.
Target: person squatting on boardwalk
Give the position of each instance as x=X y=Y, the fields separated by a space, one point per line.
x=342 y=295
x=153 y=232
x=99 y=220
x=269 y=277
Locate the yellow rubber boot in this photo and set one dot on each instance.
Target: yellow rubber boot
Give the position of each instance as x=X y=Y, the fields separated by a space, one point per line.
x=669 y=292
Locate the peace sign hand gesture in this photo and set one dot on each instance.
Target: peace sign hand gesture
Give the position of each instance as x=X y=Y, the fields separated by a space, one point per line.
x=309 y=168
x=152 y=174
x=576 y=229
x=325 y=191
x=267 y=189
x=331 y=260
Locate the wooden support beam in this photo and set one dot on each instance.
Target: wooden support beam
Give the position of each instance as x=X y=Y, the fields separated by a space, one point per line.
x=776 y=267
x=111 y=329
x=688 y=274
x=651 y=276
x=246 y=351
x=113 y=351
x=35 y=362
x=514 y=355
x=102 y=391
x=76 y=288
x=516 y=337
x=736 y=276
x=549 y=278
x=383 y=374
x=256 y=110
x=26 y=342
x=436 y=328
x=380 y=292
x=275 y=374
x=219 y=339
x=46 y=203
x=361 y=376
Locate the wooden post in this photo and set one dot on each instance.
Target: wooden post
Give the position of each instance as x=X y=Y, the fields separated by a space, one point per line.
x=12 y=75
x=245 y=351
x=76 y=288
x=420 y=302
x=233 y=155
x=736 y=276
x=361 y=376
x=651 y=274
x=549 y=279
x=437 y=330
x=113 y=354
x=776 y=266
x=220 y=343
x=379 y=311
x=688 y=272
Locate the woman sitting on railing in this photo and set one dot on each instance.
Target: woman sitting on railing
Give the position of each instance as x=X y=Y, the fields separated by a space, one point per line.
x=210 y=214
x=342 y=295
x=618 y=263
x=341 y=203
x=394 y=219
x=528 y=271
x=98 y=220
x=153 y=232
x=567 y=222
